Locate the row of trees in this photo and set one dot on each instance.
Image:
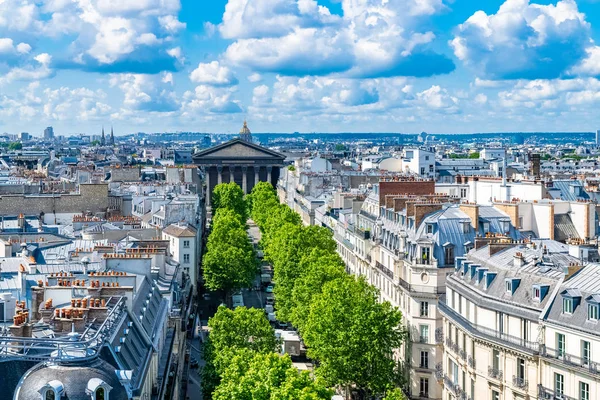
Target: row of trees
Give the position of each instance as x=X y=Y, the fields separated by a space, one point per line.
x=350 y=334
x=240 y=353
x=242 y=363
x=229 y=263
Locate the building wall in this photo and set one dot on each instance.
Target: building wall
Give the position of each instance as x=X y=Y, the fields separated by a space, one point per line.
x=91 y=197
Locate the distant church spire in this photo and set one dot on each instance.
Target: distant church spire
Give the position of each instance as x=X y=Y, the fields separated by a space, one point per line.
x=112 y=136
x=103 y=138
x=245 y=133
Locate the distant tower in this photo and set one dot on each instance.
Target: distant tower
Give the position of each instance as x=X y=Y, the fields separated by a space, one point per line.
x=245 y=133
x=598 y=138
x=112 y=136
x=49 y=133
x=103 y=138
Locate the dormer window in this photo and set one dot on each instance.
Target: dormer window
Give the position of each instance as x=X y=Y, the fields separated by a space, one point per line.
x=539 y=292
x=429 y=228
x=509 y=289
x=567 y=305
x=52 y=390
x=97 y=389
x=466 y=226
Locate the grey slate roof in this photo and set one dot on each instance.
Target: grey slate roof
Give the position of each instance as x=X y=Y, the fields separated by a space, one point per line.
x=564 y=228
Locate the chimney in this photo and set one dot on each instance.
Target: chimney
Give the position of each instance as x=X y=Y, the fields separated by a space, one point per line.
x=518 y=260
x=472 y=210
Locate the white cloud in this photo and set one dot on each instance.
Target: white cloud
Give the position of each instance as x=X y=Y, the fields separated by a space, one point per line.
x=7 y=47
x=148 y=93
x=213 y=74
x=481 y=98
x=372 y=39
x=523 y=40
x=437 y=98
x=39 y=69
x=255 y=78
x=205 y=100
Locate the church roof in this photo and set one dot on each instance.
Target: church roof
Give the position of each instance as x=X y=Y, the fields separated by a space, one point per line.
x=237 y=149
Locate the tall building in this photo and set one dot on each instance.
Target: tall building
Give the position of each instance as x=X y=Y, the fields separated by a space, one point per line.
x=49 y=133
x=598 y=138
x=25 y=136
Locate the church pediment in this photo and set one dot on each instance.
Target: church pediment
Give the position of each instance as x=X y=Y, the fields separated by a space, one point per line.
x=237 y=149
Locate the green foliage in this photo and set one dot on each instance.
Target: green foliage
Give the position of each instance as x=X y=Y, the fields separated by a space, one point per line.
x=94 y=143
x=285 y=250
x=395 y=394
x=255 y=376
x=230 y=195
x=230 y=260
x=319 y=267
x=260 y=201
x=474 y=155
x=241 y=328
x=291 y=168
x=340 y=147
x=15 y=146
x=352 y=335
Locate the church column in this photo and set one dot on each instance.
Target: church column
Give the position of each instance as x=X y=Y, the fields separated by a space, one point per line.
x=256 y=177
x=207 y=173
x=244 y=179
x=220 y=174
x=269 y=168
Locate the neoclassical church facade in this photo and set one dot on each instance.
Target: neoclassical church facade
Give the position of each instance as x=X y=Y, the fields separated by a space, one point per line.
x=240 y=161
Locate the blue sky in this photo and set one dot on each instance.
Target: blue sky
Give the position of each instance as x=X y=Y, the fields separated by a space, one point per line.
x=442 y=66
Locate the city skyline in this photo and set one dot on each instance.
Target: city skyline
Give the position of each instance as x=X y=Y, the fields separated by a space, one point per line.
x=322 y=66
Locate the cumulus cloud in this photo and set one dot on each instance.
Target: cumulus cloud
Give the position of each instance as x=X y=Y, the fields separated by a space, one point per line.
x=149 y=93
x=102 y=35
x=551 y=93
x=61 y=104
x=38 y=68
x=437 y=98
x=523 y=40
x=213 y=74
x=296 y=38
x=211 y=99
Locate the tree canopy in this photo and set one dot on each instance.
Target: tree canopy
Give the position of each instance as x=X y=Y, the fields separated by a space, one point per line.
x=256 y=376
x=230 y=195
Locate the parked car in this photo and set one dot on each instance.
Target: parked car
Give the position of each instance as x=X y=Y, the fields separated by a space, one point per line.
x=269 y=289
x=269 y=308
x=270 y=300
x=194 y=363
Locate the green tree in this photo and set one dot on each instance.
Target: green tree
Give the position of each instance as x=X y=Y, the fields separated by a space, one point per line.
x=15 y=146
x=230 y=260
x=340 y=147
x=94 y=143
x=255 y=376
x=260 y=201
x=242 y=328
x=395 y=394
x=318 y=268
x=287 y=247
x=474 y=155
x=353 y=336
x=230 y=195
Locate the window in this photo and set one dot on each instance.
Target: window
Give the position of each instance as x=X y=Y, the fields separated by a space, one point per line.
x=50 y=395
x=100 y=394
x=424 y=333
x=536 y=293
x=186 y=258
x=449 y=255
x=426 y=158
x=509 y=287
x=466 y=227
x=584 y=391
x=472 y=388
x=521 y=368
x=463 y=193
x=559 y=384
x=186 y=244
x=425 y=253
x=585 y=352
x=424 y=387
x=429 y=228
x=424 y=309
x=422 y=170
x=567 y=305
x=424 y=359
x=495 y=395
x=496 y=360
x=593 y=312
x=560 y=344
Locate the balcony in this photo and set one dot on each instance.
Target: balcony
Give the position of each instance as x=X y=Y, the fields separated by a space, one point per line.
x=439 y=336
x=571 y=360
x=385 y=270
x=495 y=373
x=471 y=362
x=454 y=388
x=420 y=288
x=520 y=383
x=363 y=234
x=547 y=394
x=368 y=215
x=487 y=333
x=439 y=371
